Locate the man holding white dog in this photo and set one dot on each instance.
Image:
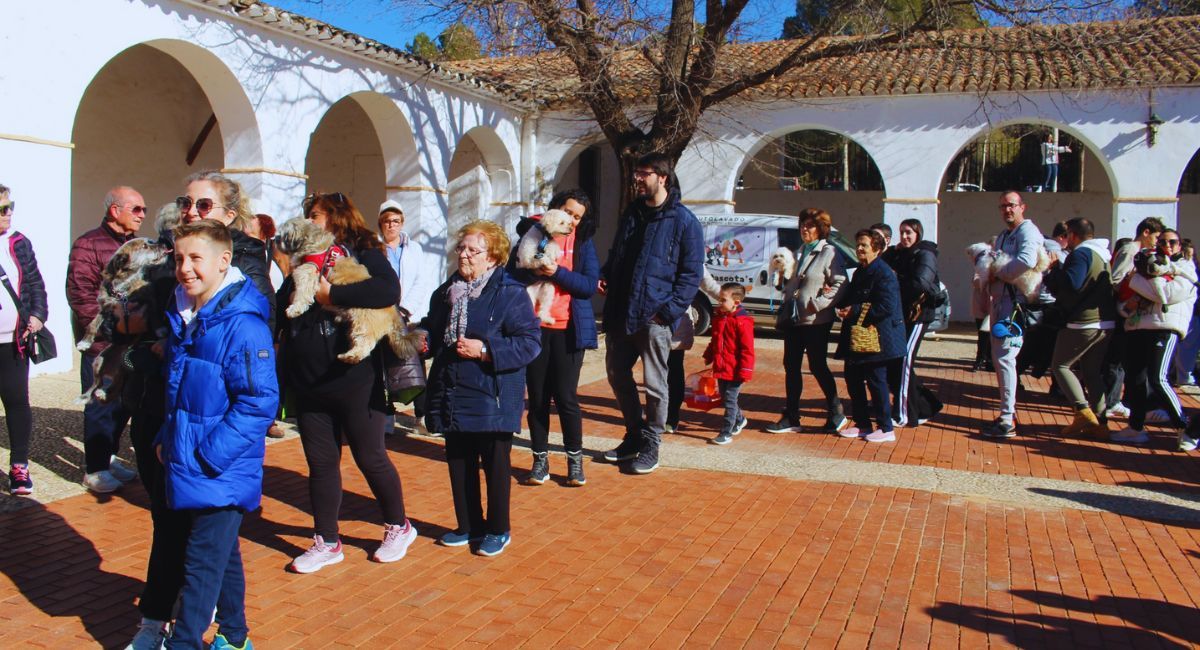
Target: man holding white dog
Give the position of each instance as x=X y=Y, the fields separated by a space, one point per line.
x=1021 y=241
x=651 y=275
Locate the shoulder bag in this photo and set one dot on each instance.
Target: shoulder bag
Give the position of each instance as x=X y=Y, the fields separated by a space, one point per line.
x=40 y=346
x=864 y=339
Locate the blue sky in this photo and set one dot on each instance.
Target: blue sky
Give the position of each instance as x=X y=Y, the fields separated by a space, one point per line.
x=376 y=19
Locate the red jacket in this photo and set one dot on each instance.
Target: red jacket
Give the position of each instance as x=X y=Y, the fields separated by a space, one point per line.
x=89 y=254
x=731 y=350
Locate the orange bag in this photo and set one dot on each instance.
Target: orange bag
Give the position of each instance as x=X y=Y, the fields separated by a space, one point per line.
x=700 y=391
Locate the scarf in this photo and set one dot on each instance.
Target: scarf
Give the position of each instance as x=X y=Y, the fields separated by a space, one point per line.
x=805 y=251
x=461 y=292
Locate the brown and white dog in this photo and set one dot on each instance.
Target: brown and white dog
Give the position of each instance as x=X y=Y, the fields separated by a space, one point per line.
x=537 y=250
x=312 y=252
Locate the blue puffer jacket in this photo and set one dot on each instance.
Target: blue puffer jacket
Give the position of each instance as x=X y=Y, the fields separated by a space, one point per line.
x=222 y=395
x=580 y=282
x=877 y=284
x=472 y=396
x=666 y=275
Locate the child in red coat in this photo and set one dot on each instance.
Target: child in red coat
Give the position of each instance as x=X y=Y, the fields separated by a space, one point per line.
x=731 y=353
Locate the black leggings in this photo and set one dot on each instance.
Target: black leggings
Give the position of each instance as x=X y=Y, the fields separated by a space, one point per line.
x=324 y=420
x=1148 y=355
x=14 y=394
x=466 y=453
x=555 y=373
x=912 y=401
x=812 y=340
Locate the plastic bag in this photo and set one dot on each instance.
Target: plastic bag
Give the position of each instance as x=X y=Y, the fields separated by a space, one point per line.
x=700 y=391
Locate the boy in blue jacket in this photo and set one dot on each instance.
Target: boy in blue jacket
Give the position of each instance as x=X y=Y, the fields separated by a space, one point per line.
x=222 y=395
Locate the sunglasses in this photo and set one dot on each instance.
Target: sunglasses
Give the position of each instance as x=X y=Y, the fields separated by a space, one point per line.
x=203 y=206
x=1169 y=242
x=8 y=208
x=1010 y=205
x=136 y=209
x=311 y=199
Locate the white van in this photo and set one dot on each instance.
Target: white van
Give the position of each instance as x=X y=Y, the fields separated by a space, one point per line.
x=738 y=247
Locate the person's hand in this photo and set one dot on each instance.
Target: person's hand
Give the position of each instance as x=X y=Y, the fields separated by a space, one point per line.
x=602 y=287
x=469 y=348
x=35 y=324
x=547 y=270
x=843 y=312
x=158 y=452
x=323 y=288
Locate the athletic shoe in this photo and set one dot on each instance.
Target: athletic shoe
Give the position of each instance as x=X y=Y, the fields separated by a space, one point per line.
x=102 y=482
x=722 y=439
x=647 y=459
x=540 y=470
x=1157 y=416
x=627 y=450
x=1117 y=411
x=220 y=643
x=899 y=424
x=121 y=470
x=999 y=429
x=836 y=423
x=1129 y=436
x=493 y=544
x=396 y=540
x=784 y=425
x=1186 y=442
x=19 y=483
x=575 y=476
x=277 y=431
x=737 y=428
x=151 y=635
x=455 y=538
x=851 y=432
x=670 y=428
x=318 y=556
x=880 y=436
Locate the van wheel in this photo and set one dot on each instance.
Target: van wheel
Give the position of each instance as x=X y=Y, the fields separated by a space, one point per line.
x=703 y=314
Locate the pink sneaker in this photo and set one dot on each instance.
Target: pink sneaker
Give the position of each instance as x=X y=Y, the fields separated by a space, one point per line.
x=19 y=483
x=318 y=556
x=880 y=436
x=851 y=432
x=396 y=540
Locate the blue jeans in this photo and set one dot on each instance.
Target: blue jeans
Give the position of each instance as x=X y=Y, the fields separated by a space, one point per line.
x=730 y=390
x=213 y=577
x=1051 y=178
x=102 y=423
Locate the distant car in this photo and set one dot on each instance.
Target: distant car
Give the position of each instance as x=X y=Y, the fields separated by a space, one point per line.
x=963 y=187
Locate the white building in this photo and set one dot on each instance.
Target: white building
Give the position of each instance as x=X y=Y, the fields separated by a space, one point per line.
x=143 y=92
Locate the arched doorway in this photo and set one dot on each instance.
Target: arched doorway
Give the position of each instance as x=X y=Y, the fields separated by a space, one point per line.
x=481 y=181
x=1189 y=200
x=345 y=155
x=594 y=169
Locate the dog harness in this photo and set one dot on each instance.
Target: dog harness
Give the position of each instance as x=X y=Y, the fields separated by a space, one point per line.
x=541 y=247
x=325 y=261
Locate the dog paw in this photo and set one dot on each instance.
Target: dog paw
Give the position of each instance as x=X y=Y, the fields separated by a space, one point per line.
x=295 y=310
x=351 y=357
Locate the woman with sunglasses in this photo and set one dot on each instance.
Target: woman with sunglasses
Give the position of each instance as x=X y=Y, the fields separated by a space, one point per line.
x=17 y=324
x=336 y=401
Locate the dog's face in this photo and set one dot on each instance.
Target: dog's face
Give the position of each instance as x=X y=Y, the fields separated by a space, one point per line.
x=134 y=256
x=975 y=250
x=1151 y=263
x=781 y=259
x=299 y=237
x=557 y=222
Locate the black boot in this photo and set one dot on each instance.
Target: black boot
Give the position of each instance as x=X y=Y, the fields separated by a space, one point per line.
x=540 y=470
x=575 y=476
x=837 y=418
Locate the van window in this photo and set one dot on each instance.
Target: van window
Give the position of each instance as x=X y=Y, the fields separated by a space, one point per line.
x=789 y=238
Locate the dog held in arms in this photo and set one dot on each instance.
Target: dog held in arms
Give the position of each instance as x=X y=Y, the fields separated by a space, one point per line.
x=313 y=253
x=538 y=250
x=989 y=262
x=782 y=266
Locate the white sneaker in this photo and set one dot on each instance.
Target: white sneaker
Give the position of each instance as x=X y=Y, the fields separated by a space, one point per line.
x=1130 y=436
x=121 y=470
x=396 y=540
x=318 y=556
x=102 y=482
x=1118 y=411
x=1186 y=442
x=151 y=635
x=1157 y=416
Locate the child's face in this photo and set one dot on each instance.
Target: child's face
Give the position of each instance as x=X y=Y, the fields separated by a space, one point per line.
x=200 y=267
x=728 y=302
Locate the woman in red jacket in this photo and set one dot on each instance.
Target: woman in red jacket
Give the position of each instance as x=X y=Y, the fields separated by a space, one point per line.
x=731 y=353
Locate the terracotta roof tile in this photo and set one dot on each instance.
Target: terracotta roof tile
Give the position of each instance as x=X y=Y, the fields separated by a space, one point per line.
x=1062 y=57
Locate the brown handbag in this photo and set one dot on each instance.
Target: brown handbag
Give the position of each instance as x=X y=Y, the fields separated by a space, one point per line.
x=864 y=339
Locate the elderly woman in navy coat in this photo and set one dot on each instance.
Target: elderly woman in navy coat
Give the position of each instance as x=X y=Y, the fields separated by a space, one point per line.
x=875 y=284
x=482 y=334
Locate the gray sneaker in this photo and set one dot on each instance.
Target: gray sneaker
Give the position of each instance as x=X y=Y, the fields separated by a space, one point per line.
x=121 y=470
x=540 y=470
x=101 y=482
x=151 y=635
x=1000 y=429
x=647 y=459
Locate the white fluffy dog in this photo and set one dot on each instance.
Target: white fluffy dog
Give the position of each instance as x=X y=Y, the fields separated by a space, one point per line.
x=537 y=250
x=782 y=266
x=988 y=263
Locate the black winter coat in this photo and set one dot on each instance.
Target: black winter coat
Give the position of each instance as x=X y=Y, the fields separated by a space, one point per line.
x=917 y=272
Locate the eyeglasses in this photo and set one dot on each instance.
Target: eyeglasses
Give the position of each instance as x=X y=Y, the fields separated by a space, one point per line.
x=311 y=199
x=8 y=208
x=642 y=173
x=393 y=222
x=1014 y=206
x=136 y=209
x=467 y=251
x=203 y=206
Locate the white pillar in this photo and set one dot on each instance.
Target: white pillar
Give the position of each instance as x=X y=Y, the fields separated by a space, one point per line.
x=1128 y=211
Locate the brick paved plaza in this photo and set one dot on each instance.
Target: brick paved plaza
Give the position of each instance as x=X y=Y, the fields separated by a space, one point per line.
x=943 y=539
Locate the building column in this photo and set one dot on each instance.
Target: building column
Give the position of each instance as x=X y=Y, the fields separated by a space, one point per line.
x=1128 y=211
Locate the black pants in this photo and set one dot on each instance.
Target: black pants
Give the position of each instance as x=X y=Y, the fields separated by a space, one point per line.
x=555 y=373
x=912 y=401
x=675 y=380
x=14 y=394
x=102 y=423
x=811 y=340
x=466 y=454
x=1148 y=355
x=872 y=376
x=1114 y=368
x=354 y=414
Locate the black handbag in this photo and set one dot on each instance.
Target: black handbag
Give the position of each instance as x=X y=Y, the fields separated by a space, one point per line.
x=40 y=346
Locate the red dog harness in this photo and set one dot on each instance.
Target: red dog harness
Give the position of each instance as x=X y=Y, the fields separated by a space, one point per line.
x=325 y=261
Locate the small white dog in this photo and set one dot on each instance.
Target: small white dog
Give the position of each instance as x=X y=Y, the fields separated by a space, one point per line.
x=537 y=250
x=988 y=263
x=782 y=266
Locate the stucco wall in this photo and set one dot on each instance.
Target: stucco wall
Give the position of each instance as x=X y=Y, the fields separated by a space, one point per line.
x=344 y=156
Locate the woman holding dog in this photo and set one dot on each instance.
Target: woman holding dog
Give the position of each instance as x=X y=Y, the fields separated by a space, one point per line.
x=805 y=318
x=915 y=262
x=336 y=401
x=555 y=371
x=481 y=334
